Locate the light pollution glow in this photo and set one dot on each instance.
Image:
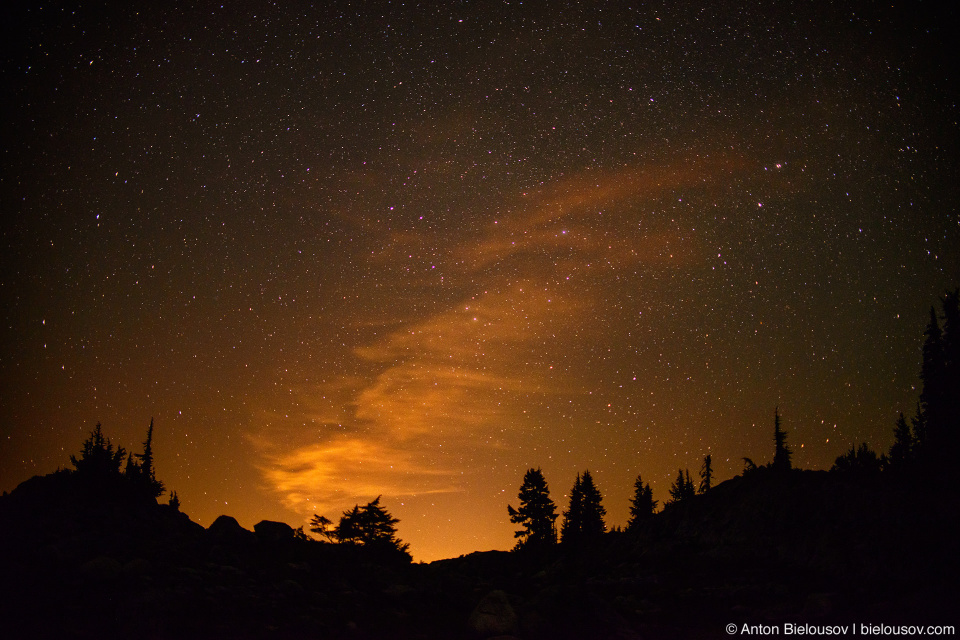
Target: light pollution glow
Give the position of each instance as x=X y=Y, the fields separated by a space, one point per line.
x=455 y=391
x=337 y=252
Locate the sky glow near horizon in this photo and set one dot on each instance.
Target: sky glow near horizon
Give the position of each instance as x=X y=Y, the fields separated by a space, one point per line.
x=337 y=253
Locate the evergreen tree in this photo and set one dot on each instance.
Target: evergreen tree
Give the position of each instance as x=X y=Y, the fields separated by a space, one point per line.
x=782 y=452
x=146 y=458
x=706 y=474
x=682 y=488
x=902 y=449
x=919 y=425
x=572 y=526
x=131 y=470
x=932 y=375
x=592 y=526
x=862 y=460
x=347 y=530
x=377 y=524
x=371 y=526
x=98 y=460
x=536 y=514
x=951 y=372
x=174 y=501
x=678 y=488
x=322 y=525
x=951 y=330
x=642 y=504
x=143 y=473
x=583 y=520
x=939 y=413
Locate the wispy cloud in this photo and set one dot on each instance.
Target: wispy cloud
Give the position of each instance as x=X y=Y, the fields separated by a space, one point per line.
x=442 y=390
x=316 y=478
x=562 y=217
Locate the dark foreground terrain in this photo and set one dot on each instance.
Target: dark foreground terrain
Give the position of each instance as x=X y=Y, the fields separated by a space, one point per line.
x=803 y=547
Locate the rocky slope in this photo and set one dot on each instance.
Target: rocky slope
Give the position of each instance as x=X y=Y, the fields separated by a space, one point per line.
x=807 y=547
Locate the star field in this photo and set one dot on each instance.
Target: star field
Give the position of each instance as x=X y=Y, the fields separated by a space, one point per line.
x=409 y=250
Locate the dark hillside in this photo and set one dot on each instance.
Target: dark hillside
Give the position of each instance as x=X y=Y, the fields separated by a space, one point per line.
x=768 y=547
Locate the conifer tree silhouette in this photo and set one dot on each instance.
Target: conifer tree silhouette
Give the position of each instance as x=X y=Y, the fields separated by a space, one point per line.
x=146 y=458
x=370 y=526
x=536 y=513
x=98 y=460
x=936 y=432
x=782 y=452
x=323 y=526
x=706 y=474
x=860 y=460
x=131 y=470
x=935 y=439
x=142 y=473
x=570 y=529
x=583 y=522
x=932 y=393
x=919 y=425
x=682 y=488
x=901 y=452
x=951 y=375
x=642 y=504
x=678 y=490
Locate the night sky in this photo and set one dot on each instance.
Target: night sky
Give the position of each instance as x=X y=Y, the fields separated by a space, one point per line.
x=355 y=249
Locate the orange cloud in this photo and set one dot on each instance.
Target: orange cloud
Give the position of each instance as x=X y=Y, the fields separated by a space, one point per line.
x=551 y=220
x=328 y=476
x=454 y=383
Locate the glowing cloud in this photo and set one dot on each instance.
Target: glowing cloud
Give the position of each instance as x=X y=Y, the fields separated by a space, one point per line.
x=329 y=475
x=440 y=391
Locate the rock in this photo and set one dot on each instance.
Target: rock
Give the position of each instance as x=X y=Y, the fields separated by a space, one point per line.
x=399 y=591
x=493 y=616
x=137 y=568
x=227 y=530
x=101 y=569
x=270 y=531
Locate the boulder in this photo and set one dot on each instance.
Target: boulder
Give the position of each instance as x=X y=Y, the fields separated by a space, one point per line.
x=101 y=570
x=226 y=530
x=493 y=616
x=270 y=531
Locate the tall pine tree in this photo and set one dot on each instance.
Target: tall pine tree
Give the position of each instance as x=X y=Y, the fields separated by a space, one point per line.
x=570 y=529
x=98 y=461
x=901 y=452
x=370 y=526
x=593 y=510
x=145 y=476
x=706 y=474
x=583 y=521
x=932 y=375
x=781 y=452
x=919 y=425
x=939 y=413
x=682 y=489
x=951 y=371
x=642 y=504
x=537 y=513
